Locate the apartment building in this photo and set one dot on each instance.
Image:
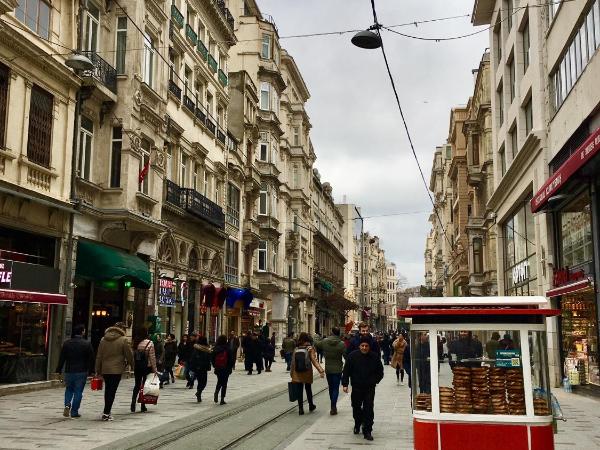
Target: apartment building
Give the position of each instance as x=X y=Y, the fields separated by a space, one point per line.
x=389 y=307
x=351 y=229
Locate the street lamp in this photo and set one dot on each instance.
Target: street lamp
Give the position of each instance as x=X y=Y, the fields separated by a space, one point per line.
x=79 y=62
x=367 y=39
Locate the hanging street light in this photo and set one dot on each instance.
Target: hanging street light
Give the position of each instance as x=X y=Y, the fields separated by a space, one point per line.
x=367 y=39
x=78 y=62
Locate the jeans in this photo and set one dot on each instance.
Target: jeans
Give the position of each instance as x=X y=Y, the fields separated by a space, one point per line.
x=399 y=373
x=363 y=398
x=111 y=384
x=74 y=384
x=333 y=382
x=288 y=360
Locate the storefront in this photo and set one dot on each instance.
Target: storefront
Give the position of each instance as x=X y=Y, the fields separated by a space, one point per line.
x=570 y=197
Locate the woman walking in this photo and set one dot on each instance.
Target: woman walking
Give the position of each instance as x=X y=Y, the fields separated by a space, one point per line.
x=200 y=364
x=397 y=360
x=145 y=363
x=222 y=361
x=170 y=355
x=114 y=354
x=303 y=360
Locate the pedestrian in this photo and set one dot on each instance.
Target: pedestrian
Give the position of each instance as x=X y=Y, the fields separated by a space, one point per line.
x=234 y=345
x=200 y=364
x=423 y=364
x=265 y=330
x=465 y=350
x=333 y=348
x=363 y=330
x=386 y=348
x=222 y=361
x=145 y=364
x=113 y=357
x=492 y=345
x=397 y=360
x=77 y=357
x=316 y=340
x=303 y=358
x=288 y=345
x=364 y=370
x=159 y=350
x=268 y=354
x=182 y=350
x=189 y=374
x=170 y=355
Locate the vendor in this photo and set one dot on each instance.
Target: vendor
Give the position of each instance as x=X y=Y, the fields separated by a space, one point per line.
x=464 y=348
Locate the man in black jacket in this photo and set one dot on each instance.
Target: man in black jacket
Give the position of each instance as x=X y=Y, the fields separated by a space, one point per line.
x=77 y=356
x=364 y=369
x=363 y=329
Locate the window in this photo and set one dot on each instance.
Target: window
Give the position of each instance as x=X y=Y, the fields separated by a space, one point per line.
x=498 y=43
x=552 y=10
x=266 y=46
x=475 y=149
x=502 y=158
x=262 y=256
x=115 y=157
x=4 y=77
x=39 y=137
x=187 y=80
x=509 y=14
x=121 y=44
x=356 y=266
x=148 y=61
x=265 y=97
x=514 y=146
x=169 y=162
x=576 y=247
x=36 y=15
x=526 y=46
x=206 y=184
x=86 y=141
x=233 y=205
x=91 y=27
x=231 y=261
x=296 y=136
x=263 y=151
x=209 y=103
x=477 y=256
x=195 y=176
x=144 y=166
x=183 y=163
x=528 y=117
x=512 y=76
x=201 y=32
x=501 y=104
x=448 y=152
x=263 y=199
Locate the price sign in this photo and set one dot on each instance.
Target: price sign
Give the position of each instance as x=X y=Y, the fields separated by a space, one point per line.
x=508 y=358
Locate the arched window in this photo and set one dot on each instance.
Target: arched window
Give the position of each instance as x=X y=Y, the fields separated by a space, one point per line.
x=193 y=260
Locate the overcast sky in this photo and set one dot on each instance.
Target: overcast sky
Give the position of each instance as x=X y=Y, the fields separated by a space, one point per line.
x=357 y=132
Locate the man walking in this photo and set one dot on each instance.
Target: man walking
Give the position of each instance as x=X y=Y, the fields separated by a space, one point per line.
x=234 y=345
x=333 y=348
x=364 y=370
x=288 y=345
x=363 y=329
x=77 y=356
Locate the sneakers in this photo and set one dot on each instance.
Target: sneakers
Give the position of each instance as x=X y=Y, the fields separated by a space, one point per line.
x=67 y=411
x=107 y=418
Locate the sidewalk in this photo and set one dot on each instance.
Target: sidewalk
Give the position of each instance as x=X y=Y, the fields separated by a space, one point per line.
x=34 y=420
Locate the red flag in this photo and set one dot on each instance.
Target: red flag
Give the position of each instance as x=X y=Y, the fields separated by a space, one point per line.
x=144 y=172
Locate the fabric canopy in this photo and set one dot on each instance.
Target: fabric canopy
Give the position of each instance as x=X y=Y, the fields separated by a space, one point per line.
x=237 y=294
x=97 y=262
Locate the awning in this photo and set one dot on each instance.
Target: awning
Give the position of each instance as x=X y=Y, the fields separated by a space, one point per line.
x=569 y=288
x=577 y=160
x=96 y=262
x=7 y=295
x=237 y=294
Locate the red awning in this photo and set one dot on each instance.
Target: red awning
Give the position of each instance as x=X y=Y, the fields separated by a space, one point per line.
x=569 y=288
x=7 y=295
x=576 y=161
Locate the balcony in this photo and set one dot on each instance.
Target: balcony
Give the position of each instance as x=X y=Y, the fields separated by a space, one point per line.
x=475 y=176
x=174 y=89
x=226 y=14
x=191 y=34
x=173 y=193
x=222 y=78
x=176 y=16
x=200 y=115
x=212 y=63
x=202 y=50
x=220 y=136
x=211 y=126
x=198 y=205
x=189 y=104
x=102 y=71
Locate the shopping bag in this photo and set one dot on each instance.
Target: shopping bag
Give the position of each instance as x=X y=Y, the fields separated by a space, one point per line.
x=147 y=399
x=180 y=372
x=293 y=391
x=96 y=384
x=152 y=386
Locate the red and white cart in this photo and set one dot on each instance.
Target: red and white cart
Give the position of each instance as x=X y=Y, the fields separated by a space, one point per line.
x=479 y=373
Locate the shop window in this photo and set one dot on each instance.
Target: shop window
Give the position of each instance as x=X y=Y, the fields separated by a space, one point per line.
x=36 y=15
x=576 y=233
x=4 y=79
x=39 y=137
x=86 y=145
x=115 y=157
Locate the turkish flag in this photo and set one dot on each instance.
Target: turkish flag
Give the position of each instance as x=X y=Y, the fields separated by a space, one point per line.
x=144 y=172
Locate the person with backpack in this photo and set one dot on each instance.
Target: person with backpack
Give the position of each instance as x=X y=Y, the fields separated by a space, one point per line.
x=222 y=361
x=200 y=364
x=144 y=364
x=303 y=360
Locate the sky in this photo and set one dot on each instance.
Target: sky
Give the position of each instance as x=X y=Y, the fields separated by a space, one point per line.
x=357 y=133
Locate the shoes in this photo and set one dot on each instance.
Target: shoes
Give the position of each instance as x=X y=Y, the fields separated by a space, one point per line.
x=107 y=418
x=216 y=399
x=356 y=429
x=173 y=380
x=222 y=402
x=312 y=407
x=160 y=386
x=67 y=411
x=301 y=412
x=267 y=370
x=259 y=372
x=368 y=436
x=333 y=411
x=143 y=408
x=133 y=406
x=75 y=416
x=199 y=397
x=250 y=372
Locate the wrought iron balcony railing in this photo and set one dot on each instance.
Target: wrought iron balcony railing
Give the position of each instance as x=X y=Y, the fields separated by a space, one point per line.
x=210 y=125
x=177 y=16
x=222 y=78
x=198 y=205
x=226 y=14
x=102 y=71
x=173 y=193
x=202 y=50
x=212 y=63
x=189 y=103
x=174 y=89
x=220 y=136
x=200 y=115
x=191 y=34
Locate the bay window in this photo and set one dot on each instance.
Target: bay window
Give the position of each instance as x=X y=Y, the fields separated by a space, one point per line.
x=262 y=256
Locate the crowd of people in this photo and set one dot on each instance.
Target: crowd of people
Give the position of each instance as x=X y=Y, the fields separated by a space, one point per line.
x=352 y=359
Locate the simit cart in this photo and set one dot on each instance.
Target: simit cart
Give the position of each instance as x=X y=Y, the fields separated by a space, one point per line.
x=479 y=373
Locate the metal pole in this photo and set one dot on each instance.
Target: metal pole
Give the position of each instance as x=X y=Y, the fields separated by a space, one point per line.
x=290 y=307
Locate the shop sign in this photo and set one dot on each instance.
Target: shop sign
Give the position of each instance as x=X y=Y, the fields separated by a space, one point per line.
x=508 y=358
x=6 y=271
x=566 y=276
x=520 y=273
x=166 y=296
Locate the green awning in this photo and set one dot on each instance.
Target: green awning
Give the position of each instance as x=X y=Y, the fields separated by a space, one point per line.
x=97 y=262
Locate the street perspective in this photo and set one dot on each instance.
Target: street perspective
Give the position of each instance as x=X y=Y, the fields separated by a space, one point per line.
x=299 y=224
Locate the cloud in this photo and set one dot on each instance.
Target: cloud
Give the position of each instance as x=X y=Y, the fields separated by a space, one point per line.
x=357 y=133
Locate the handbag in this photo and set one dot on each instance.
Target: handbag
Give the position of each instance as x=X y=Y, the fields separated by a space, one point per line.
x=96 y=383
x=180 y=372
x=146 y=399
x=152 y=386
x=293 y=391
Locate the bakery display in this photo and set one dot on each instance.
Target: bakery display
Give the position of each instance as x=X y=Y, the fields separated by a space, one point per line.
x=423 y=402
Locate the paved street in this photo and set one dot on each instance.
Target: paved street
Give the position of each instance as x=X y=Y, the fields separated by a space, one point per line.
x=258 y=415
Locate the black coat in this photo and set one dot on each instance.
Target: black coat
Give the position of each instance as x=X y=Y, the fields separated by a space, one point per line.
x=170 y=353
x=365 y=370
x=200 y=358
x=184 y=351
x=230 y=358
x=77 y=355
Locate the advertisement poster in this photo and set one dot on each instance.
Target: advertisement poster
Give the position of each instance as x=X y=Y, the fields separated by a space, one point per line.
x=508 y=358
x=166 y=294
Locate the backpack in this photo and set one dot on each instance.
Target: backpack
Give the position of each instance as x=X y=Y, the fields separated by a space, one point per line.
x=221 y=360
x=141 y=359
x=301 y=360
